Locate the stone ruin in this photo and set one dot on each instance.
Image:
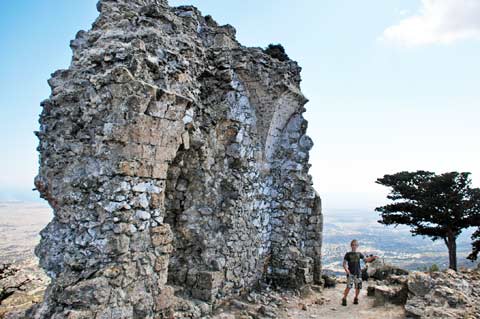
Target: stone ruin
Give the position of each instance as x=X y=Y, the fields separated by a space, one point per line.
x=176 y=163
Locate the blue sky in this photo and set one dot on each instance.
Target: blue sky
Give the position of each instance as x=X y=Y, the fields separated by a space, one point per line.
x=393 y=84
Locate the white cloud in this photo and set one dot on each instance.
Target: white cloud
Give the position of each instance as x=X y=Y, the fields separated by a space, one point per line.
x=438 y=21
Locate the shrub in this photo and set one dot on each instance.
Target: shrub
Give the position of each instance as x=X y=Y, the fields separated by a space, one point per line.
x=277 y=51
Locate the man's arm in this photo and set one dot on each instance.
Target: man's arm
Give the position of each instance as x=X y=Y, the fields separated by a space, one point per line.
x=346 y=267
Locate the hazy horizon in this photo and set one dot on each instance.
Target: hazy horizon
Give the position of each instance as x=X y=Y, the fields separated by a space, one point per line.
x=392 y=84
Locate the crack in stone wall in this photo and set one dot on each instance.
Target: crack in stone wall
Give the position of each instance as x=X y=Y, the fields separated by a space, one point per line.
x=176 y=163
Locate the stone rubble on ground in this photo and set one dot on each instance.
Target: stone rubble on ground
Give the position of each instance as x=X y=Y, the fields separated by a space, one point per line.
x=440 y=294
x=176 y=163
x=268 y=303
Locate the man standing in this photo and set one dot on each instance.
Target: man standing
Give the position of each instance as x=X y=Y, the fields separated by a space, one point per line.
x=351 y=264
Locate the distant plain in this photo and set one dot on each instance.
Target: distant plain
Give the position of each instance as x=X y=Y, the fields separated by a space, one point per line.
x=20 y=224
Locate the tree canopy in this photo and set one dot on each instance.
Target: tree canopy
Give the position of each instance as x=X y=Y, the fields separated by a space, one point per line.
x=475 y=245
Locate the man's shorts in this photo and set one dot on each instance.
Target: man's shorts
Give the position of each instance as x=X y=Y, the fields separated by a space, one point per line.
x=354 y=279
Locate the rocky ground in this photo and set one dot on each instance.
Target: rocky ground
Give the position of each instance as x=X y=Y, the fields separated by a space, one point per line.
x=22 y=281
x=21 y=285
x=446 y=294
x=436 y=295
x=390 y=293
x=441 y=294
x=28 y=289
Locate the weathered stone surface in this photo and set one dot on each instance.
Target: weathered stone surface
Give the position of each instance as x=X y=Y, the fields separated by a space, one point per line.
x=172 y=156
x=446 y=294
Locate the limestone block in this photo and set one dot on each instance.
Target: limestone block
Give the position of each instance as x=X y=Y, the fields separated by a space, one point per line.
x=161 y=235
x=165 y=299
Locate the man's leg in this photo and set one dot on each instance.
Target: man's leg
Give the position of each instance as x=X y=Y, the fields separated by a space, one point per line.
x=357 y=292
x=358 y=286
x=345 y=294
x=347 y=290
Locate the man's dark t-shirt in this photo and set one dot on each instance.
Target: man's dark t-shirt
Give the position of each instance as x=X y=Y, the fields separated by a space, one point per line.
x=353 y=260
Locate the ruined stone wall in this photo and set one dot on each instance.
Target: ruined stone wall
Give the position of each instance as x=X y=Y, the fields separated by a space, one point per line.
x=176 y=163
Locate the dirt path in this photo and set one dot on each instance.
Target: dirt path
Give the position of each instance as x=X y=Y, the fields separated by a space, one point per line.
x=331 y=307
x=325 y=305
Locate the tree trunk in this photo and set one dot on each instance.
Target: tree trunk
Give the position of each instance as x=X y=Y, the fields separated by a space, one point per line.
x=451 y=243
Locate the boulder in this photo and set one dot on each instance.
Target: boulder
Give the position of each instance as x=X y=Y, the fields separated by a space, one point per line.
x=329 y=281
x=394 y=294
x=380 y=270
x=447 y=294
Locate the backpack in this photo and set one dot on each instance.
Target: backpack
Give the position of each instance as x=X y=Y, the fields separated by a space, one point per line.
x=364 y=274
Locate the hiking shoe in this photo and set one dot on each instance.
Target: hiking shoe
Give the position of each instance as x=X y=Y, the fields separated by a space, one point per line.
x=355 y=301
x=344 y=302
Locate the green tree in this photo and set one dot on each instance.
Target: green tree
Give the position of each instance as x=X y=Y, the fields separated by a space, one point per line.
x=437 y=206
x=475 y=245
x=432 y=268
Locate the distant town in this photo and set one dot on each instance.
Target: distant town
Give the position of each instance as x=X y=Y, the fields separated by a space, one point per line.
x=395 y=245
